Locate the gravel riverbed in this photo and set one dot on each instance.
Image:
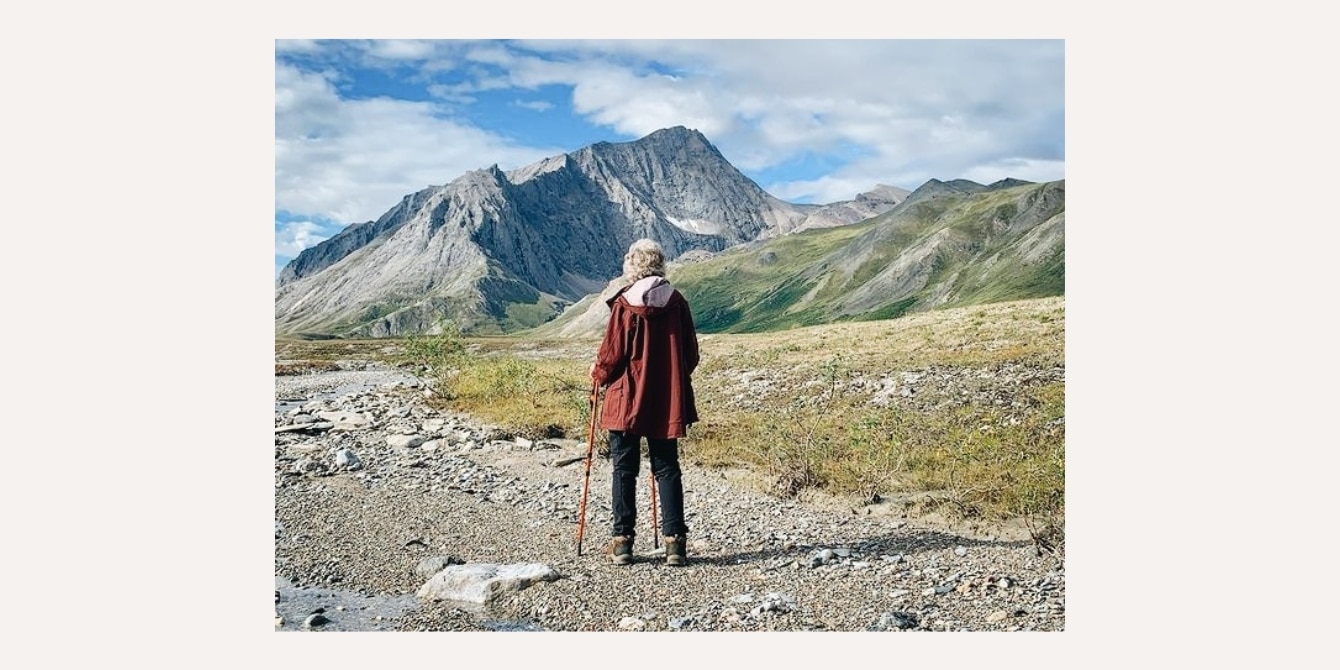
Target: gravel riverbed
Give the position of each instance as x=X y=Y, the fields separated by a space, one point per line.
x=374 y=490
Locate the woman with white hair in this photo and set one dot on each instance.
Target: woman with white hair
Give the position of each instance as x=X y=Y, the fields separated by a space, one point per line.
x=647 y=360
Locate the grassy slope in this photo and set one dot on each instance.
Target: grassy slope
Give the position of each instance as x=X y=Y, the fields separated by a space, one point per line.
x=804 y=279
x=750 y=289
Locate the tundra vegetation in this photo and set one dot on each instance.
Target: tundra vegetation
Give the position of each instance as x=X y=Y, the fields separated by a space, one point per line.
x=955 y=412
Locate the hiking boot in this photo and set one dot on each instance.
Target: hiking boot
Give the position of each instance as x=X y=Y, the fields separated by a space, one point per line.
x=676 y=550
x=620 y=550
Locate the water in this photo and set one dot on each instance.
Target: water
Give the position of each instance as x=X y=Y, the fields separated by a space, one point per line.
x=346 y=610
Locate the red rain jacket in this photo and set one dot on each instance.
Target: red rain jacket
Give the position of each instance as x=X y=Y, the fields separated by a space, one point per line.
x=647 y=358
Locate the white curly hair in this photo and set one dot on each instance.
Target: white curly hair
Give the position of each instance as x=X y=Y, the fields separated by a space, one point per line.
x=645 y=258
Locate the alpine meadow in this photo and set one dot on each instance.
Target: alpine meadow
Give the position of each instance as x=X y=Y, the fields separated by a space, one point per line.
x=916 y=355
x=897 y=356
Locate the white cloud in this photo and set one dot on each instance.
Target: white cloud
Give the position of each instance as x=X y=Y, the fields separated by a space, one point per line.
x=877 y=111
x=1019 y=168
x=909 y=110
x=845 y=184
x=535 y=105
x=292 y=237
x=351 y=160
x=401 y=49
x=638 y=106
x=822 y=190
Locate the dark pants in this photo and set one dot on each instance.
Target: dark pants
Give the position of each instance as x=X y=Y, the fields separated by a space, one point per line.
x=627 y=459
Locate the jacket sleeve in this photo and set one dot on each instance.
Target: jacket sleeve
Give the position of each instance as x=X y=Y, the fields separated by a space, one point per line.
x=611 y=357
x=690 y=337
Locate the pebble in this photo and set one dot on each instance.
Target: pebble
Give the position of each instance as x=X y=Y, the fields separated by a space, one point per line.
x=756 y=562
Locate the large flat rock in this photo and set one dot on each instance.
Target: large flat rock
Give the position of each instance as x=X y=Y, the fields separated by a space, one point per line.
x=478 y=582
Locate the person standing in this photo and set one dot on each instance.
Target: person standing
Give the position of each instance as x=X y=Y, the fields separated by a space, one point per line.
x=647 y=359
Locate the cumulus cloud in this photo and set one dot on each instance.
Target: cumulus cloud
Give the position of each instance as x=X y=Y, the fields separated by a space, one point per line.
x=350 y=160
x=822 y=190
x=401 y=49
x=918 y=109
x=897 y=112
x=1018 y=168
x=293 y=236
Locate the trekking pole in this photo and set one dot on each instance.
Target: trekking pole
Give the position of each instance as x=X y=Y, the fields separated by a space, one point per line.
x=655 y=536
x=590 y=448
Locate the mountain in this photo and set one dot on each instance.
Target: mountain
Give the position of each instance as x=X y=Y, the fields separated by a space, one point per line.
x=946 y=244
x=498 y=251
x=871 y=203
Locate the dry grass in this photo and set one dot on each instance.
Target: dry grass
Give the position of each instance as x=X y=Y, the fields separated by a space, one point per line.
x=1030 y=330
x=982 y=436
x=292 y=350
x=294 y=368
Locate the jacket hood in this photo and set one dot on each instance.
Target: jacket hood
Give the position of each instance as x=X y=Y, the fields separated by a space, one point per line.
x=648 y=294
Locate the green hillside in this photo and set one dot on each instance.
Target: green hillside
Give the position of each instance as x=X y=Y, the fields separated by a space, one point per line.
x=943 y=247
x=750 y=289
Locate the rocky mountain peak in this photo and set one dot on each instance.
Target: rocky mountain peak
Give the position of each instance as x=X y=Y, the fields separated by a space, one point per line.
x=496 y=252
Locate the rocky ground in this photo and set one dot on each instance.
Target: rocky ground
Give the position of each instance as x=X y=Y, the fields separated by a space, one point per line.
x=375 y=492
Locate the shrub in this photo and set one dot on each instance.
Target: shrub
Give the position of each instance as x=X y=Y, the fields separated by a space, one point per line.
x=439 y=356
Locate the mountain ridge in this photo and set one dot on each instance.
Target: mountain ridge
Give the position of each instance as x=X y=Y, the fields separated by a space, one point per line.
x=498 y=251
x=947 y=244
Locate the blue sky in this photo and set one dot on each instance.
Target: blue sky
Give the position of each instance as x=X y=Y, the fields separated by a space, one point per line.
x=361 y=123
